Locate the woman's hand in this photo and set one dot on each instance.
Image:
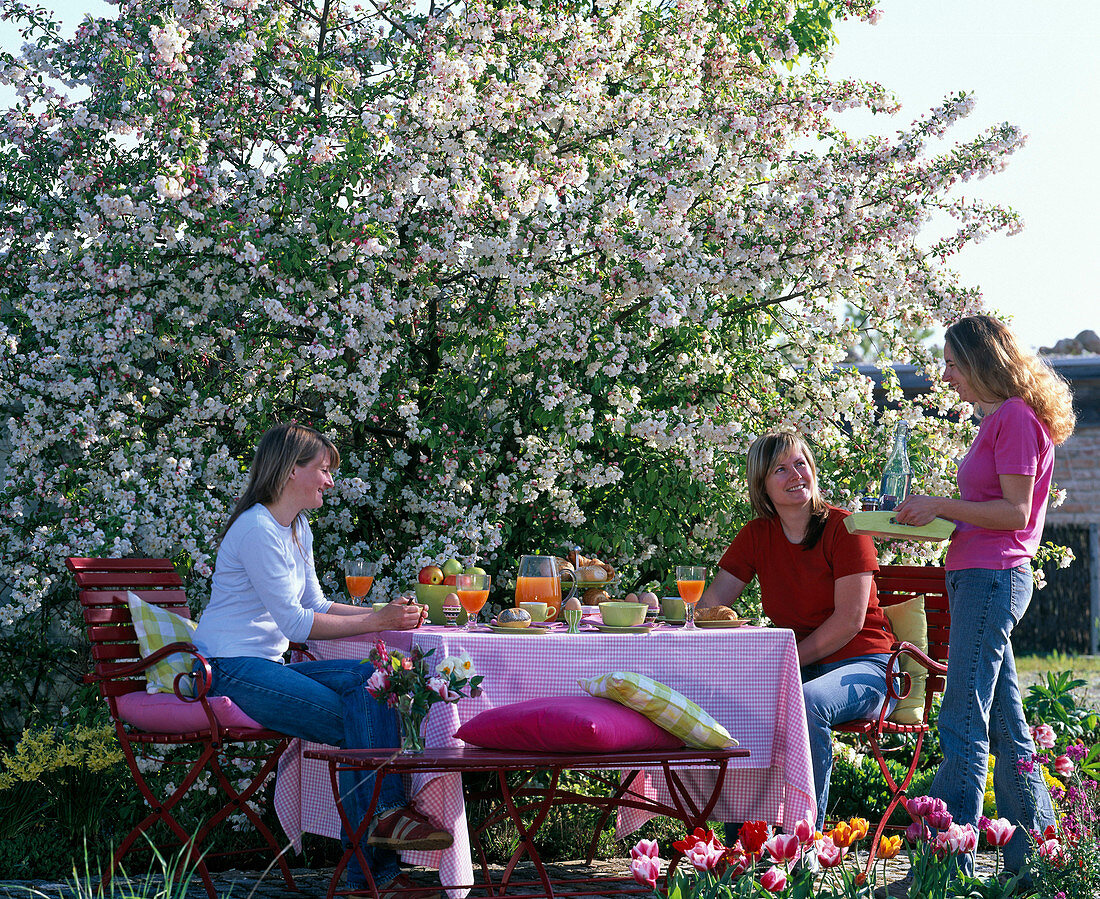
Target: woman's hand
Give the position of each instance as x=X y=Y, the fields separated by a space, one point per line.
x=918 y=510
x=403 y=614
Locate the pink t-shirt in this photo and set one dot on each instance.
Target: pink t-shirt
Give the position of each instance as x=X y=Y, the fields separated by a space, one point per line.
x=1011 y=440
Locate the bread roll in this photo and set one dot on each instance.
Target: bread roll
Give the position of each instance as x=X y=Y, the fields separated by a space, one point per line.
x=715 y=613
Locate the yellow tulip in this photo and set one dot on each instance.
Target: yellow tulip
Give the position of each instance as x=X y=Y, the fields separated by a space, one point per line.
x=888 y=847
x=859 y=828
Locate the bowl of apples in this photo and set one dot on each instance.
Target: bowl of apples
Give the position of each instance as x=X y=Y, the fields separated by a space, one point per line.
x=436 y=582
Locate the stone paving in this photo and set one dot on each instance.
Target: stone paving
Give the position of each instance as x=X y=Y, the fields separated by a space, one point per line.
x=313 y=884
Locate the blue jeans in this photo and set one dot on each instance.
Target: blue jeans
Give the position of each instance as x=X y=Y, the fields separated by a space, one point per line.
x=324 y=702
x=837 y=692
x=982 y=713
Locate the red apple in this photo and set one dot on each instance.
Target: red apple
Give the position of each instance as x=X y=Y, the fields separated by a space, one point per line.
x=450 y=580
x=430 y=574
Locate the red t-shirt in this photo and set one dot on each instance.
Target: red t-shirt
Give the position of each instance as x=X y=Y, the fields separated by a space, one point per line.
x=797 y=585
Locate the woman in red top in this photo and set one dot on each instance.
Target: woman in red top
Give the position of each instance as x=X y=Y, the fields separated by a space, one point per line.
x=816 y=579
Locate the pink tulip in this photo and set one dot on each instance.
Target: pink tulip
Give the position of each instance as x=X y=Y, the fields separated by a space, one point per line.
x=829 y=854
x=705 y=856
x=805 y=830
x=1043 y=735
x=999 y=831
x=774 y=880
x=378 y=682
x=783 y=847
x=1062 y=766
x=1053 y=851
x=646 y=869
x=931 y=810
x=917 y=832
x=645 y=849
x=956 y=839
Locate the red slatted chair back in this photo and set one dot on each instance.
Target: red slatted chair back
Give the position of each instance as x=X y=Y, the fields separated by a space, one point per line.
x=898 y=583
x=103 y=585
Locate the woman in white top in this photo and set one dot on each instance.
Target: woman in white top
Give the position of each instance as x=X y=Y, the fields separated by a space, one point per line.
x=266 y=595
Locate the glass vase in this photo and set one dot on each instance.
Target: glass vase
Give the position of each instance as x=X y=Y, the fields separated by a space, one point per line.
x=411 y=724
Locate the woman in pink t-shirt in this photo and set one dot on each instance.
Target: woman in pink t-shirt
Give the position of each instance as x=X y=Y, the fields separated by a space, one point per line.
x=1004 y=481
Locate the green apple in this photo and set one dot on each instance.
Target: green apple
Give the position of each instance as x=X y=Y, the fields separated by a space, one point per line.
x=474 y=569
x=452 y=567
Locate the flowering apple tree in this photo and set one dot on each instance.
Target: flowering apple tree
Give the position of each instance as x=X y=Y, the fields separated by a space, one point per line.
x=540 y=270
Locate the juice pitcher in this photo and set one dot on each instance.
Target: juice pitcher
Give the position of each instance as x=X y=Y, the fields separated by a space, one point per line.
x=539 y=580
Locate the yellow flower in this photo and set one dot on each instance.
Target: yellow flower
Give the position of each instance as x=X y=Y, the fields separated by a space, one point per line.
x=888 y=847
x=859 y=828
x=842 y=835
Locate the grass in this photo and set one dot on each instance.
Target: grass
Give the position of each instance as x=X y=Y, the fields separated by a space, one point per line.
x=1082 y=666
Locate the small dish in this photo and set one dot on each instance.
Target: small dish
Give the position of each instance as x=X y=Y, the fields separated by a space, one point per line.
x=633 y=629
x=533 y=629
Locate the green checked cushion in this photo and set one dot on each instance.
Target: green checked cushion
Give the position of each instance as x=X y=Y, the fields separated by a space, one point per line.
x=909 y=623
x=157 y=628
x=663 y=706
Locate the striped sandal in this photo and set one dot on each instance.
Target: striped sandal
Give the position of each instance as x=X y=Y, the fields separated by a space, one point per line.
x=405 y=828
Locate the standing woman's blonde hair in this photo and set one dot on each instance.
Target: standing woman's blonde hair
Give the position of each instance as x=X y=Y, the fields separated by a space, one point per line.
x=280 y=449
x=989 y=357
x=764 y=454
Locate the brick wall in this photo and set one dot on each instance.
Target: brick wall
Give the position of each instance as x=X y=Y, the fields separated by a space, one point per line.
x=1077 y=470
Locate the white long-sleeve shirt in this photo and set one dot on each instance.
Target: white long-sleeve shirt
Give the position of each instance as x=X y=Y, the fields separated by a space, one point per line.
x=265 y=590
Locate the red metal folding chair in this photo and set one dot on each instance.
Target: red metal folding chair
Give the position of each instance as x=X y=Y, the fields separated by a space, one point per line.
x=897 y=584
x=218 y=737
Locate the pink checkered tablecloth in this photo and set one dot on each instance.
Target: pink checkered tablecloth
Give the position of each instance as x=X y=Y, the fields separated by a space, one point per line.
x=746 y=677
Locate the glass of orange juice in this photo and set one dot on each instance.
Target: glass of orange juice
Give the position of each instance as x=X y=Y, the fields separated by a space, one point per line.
x=690 y=581
x=359 y=577
x=473 y=591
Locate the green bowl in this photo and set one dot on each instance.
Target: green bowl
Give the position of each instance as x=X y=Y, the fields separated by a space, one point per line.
x=432 y=596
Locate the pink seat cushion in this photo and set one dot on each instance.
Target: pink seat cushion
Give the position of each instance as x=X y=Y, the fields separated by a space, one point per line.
x=163 y=713
x=566 y=724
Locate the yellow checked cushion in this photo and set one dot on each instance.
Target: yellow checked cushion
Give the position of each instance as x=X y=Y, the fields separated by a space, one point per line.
x=157 y=628
x=910 y=625
x=663 y=706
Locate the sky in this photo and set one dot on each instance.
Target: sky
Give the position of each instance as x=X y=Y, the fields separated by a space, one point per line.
x=1032 y=64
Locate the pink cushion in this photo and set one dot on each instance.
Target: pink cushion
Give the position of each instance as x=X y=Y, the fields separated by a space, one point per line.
x=566 y=724
x=163 y=713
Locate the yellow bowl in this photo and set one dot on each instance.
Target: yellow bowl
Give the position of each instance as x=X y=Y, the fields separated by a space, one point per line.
x=432 y=596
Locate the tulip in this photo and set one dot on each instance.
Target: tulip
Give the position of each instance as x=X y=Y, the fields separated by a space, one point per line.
x=1063 y=767
x=999 y=831
x=696 y=836
x=783 y=847
x=842 y=834
x=1052 y=851
x=645 y=870
x=706 y=856
x=917 y=832
x=805 y=830
x=859 y=828
x=829 y=854
x=774 y=880
x=753 y=834
x=378 y=682
x=645 y=849
x=1043 y=735
x=888 y=847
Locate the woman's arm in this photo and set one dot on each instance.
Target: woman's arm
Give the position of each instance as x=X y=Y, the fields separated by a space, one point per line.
x=722 y=591
x=1009 y=513
x=343 y=620
x=851 y=595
